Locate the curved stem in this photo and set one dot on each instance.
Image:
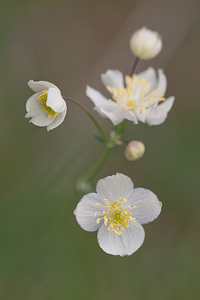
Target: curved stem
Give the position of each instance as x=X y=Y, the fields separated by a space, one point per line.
x=84 y=183
x=90 y=116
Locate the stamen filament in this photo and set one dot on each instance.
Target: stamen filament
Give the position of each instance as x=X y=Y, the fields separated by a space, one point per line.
x=135 y=95
x=116 y=215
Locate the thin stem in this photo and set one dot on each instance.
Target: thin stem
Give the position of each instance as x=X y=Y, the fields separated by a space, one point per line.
x=136 y=60
x=84 y=182
x=90 y=116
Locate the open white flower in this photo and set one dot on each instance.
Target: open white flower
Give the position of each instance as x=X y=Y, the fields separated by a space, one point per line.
x=117 y=211
x=46 y=107
x=141 y=98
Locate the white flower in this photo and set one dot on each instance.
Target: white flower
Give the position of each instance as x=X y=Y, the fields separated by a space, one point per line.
x=140 y=99
x=46 y=107
x=117 y=211
x=145 y=43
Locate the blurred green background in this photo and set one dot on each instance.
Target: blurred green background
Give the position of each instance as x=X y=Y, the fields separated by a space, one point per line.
x=44 y=254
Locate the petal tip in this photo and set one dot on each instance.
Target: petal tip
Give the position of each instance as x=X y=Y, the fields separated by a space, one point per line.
x=30 y=82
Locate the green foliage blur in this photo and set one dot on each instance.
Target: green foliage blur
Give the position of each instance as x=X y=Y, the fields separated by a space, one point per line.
x=44 y=254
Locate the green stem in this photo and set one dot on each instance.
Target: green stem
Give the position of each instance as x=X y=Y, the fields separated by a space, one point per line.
x=84 y=183
x=104 y=137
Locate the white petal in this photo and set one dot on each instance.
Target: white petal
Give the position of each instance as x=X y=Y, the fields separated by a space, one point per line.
x=148 y=207
x=113 y=78
x=162 y=82
x=125 y=244
x=133 y=237
x=110 y=242
x=129 y=115
x=57 y=120
x=33 y=106
x=55 y=100
x=86 y=209
x=150 y=76
x=115 y=186
x=98 y=99
x=116 y=115
x=157 y=115
x=104 y=107
x=140 y=116
x=167 y=104
x=42 y=119
x=38 y=86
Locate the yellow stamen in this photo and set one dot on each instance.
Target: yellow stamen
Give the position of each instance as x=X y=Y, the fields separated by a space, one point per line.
x=126 y=97
x=117 y=216
x=43 y=99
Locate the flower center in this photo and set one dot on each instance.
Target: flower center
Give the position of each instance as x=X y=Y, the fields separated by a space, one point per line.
x=43 y=99
x=116 y=216
x=135 y=94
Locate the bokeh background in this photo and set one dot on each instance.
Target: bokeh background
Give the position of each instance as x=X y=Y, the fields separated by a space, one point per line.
x=44 y=254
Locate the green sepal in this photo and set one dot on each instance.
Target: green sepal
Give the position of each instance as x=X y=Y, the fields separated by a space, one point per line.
x=100 y=140
x=120 y=127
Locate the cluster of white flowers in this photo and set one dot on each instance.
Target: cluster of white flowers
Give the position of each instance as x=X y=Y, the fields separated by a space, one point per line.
x=116 y=210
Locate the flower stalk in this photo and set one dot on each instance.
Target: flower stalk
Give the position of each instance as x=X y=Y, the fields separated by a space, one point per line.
x=103 y=135
x=83 y=184
x=136 y=60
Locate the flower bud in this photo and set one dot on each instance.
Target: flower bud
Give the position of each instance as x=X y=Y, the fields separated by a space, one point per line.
x=134 y=150
x=145 y=43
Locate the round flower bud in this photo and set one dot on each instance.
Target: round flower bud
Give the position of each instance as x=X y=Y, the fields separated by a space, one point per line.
x=145 y=43
x=134 y=150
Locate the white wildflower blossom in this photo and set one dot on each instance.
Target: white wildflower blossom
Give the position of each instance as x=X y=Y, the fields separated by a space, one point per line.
x=117 y=211
x=141 y=98
x=46 y=107
x=145 y=43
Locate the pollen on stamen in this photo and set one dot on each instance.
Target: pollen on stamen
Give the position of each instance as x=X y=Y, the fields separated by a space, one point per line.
x=122 y=199
x=98 y=220
x=95 y=214
x=43 y=100
x=117 y=215
x=109 y=89
x=112 y=101
x=127 y=96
